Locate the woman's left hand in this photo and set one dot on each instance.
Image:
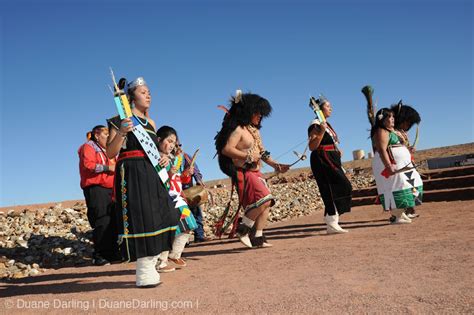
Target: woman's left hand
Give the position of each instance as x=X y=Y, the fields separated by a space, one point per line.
x=174 y=169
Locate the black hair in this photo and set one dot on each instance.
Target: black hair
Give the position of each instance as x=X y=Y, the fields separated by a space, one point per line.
x=405 y=114
x=130 y=92
x=164 y=132
x=240 y=114
x=383 y=113
x=94 y=130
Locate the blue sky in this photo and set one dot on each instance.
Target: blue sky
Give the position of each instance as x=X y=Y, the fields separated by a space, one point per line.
x=55 y=57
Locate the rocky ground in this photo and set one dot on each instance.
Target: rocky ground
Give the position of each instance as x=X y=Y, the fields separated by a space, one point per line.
x=421 y=268
x=32 y=240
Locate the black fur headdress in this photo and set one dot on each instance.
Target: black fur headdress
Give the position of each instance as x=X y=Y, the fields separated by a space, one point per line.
x=242 y=108
x=405 y=114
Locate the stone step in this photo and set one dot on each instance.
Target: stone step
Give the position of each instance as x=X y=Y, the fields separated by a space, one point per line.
x=448 y=172
x=428 y=185
x=449 y=183
x=363 y=201
x=464 y=193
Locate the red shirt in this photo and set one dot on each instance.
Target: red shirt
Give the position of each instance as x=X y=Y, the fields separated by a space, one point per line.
x=94 y=166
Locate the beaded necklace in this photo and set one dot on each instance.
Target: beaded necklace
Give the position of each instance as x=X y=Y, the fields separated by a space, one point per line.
x=140 y=120
x=257 y=144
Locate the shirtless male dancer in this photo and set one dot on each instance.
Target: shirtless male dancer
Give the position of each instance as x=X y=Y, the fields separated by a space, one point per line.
x=240 y=151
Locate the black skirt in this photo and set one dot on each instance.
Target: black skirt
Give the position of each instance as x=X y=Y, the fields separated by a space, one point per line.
x=335 y=188
x=146 y=214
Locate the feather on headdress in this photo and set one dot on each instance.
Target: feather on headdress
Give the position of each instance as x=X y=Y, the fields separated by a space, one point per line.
x=368 y=92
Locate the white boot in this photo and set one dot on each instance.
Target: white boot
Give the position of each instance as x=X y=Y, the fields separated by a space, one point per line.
x=163 y=258
x=405 y=217
x=400 y=217
x=178 y=245
x=162 y=264
x=178 y=248
x=332 y=222
x=146 y=274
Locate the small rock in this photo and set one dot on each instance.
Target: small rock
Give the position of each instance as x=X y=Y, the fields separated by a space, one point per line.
x=18 y=275
x=12 y=214
x=21 y=265
x=22 y=243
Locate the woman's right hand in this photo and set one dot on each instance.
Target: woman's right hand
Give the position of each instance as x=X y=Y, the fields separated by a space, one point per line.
x=392 y=169
x=389 y=171
x=164 y=160
x=126 y=126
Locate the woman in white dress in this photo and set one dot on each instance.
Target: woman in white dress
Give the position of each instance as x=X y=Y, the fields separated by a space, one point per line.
x=399 y=185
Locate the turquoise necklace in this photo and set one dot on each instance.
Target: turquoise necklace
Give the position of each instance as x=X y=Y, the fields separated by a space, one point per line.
x=140 y=120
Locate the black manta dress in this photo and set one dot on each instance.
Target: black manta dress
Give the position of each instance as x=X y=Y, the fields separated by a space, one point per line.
x=335 y=188
x=147 y=217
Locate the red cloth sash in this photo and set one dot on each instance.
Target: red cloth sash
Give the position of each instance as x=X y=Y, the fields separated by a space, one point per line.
x=327 y=147
x=131 y=154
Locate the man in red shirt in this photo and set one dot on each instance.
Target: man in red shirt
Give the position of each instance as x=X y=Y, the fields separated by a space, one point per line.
x=97 y=177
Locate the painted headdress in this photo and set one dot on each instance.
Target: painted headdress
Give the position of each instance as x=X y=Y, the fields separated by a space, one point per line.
x=321 y=100
x=315 y=105
x=134 y=84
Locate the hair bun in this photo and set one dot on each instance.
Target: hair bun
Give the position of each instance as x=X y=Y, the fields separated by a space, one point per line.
x=122 y=83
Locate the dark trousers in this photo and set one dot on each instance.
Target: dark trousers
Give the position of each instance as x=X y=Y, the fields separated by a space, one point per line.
x=102 y=220
x=199 y=231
